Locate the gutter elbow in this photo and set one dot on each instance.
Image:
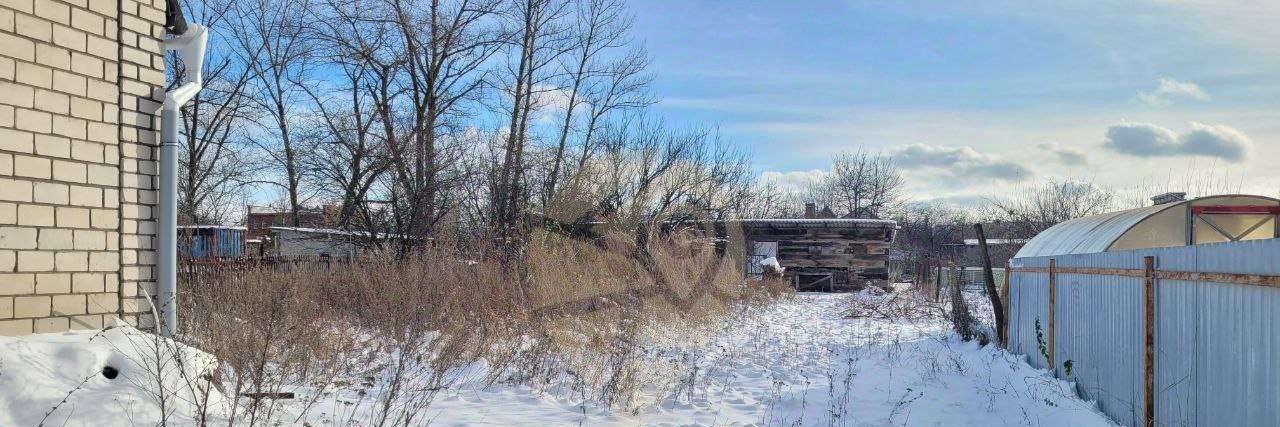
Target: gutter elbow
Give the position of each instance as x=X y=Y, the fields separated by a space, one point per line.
x=191 y=47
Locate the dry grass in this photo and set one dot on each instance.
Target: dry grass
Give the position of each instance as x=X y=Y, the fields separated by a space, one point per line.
x=911 y=306
x=559 y=311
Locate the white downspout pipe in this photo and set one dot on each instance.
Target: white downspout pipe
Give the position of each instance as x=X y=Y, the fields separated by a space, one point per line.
x=190 y=46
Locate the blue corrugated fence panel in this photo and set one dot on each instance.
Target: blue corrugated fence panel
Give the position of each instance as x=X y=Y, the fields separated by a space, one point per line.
x=229 y=243
x=1236 y=349
x=1098 y=329
x=1216 y=343
x=199 y=247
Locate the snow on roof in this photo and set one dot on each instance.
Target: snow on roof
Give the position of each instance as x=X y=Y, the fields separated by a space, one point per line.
x=318 y=231
x=974 y=242
x=824 y=222
x=336 y=232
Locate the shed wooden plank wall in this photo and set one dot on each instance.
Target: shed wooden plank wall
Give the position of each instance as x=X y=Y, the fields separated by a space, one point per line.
x=854 y=255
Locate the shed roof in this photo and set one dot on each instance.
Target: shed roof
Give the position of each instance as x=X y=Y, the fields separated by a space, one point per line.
x=1096 y=233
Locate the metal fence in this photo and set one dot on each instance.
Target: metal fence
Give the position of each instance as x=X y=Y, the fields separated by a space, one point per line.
x=1172 y=336
x=970 y=278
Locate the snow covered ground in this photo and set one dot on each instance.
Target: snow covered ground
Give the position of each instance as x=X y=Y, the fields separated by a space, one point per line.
x=62 y=379
x=797 y=362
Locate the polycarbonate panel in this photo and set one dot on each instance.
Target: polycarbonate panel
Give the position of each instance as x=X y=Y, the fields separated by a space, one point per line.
x=1097 y=233
x=1085 y=235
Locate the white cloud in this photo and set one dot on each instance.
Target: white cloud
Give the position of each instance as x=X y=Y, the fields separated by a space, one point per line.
x=554 y=98
x=549 y=103
x=1169 y=90
x=1149 y=140
x=793 y=181
x=1220 y=141
x=1065 y=155
x=960 y=163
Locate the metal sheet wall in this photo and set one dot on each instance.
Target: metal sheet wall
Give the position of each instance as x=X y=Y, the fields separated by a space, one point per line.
x=1029 y=301
x=1097 y=328
x=1099 y=333
x=1216 y=343
x=1236 y=358
x=212 y=243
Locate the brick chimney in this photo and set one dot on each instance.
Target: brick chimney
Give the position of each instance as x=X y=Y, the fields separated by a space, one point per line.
x=810 y=210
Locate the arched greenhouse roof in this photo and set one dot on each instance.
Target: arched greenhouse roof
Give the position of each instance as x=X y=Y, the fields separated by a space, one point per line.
x=1146 y=227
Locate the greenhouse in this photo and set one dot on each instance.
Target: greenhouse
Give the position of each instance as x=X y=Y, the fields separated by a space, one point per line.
x=1172 y=221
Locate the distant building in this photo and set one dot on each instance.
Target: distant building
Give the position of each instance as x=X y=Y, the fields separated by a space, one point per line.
x=969 y=252
x=204 y=242
x=311 y=243
x=822 y=253
x=811 y=212
x=259 y=223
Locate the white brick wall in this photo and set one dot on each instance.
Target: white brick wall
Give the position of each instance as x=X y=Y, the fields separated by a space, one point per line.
x=79 y=85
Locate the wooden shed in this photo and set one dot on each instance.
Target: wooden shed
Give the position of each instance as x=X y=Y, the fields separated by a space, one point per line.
x=822 y=254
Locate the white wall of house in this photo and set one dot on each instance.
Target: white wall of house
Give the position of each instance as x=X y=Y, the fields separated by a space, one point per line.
x=311 y=244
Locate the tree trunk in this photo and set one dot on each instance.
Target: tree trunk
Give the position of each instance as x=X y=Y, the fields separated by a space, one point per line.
x=996 y=305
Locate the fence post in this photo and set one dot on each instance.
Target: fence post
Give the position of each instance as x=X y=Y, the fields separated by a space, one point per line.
x=989 y=284
x=1053 y=284
x=937 y=283
x=1007 y=300
x=1148 y=340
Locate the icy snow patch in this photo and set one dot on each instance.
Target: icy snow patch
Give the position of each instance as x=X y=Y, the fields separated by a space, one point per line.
x=771 y=262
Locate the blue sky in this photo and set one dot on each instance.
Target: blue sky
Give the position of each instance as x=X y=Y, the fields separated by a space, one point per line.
x=1135 y=93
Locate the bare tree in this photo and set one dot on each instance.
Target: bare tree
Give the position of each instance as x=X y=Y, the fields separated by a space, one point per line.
x=212 y=161
x=540 y=37
x=769 y=200
x=712 y=177
x=648 y=170
x=600 y=27
x=928 y=228
x=348 y=157
x=860 y=184
x=278 y=50
x=374 y=105
x=1042 y=206
x=624 y=87
x=444 y=46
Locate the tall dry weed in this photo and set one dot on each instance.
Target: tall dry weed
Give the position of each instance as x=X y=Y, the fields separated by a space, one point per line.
x=558 y=311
